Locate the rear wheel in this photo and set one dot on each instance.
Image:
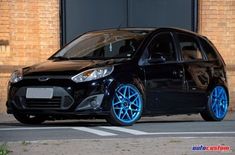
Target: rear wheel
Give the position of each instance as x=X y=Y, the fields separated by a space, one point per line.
x=29 y=119
x=217 y=106
x=127 y=106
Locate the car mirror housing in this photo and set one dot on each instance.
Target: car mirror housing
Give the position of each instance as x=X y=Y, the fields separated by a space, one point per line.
x=156 y=58
x=159 y=59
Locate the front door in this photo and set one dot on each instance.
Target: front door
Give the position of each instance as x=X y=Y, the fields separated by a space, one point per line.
x=164 y=76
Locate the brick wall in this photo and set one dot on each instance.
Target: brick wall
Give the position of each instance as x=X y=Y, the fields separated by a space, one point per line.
x=217 y=22
x=29 y=33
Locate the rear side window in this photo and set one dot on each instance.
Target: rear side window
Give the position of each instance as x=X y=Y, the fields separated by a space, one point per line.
x=208 y=49
x=189 y=48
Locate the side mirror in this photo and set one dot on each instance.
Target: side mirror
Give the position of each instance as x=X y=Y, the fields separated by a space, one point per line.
x=157 y=58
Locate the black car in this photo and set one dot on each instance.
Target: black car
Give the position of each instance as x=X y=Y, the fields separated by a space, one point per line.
x=121 y=75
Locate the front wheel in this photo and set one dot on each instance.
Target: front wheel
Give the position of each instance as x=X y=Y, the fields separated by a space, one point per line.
x=217 y=106
x=29 y=119
x=126 y=106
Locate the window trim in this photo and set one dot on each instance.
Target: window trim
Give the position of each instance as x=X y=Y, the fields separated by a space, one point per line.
x=201 y=39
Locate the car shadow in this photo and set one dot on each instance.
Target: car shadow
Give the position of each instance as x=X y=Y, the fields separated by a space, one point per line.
x=102 y=122
x=87 y=123
x=56 y=124
x=168 y=121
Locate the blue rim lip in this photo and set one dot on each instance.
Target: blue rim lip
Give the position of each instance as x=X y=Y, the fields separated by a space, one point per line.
x=128 y=97
x=219 y=102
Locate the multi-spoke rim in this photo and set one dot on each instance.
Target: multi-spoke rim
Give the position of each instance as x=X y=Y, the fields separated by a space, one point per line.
x=219 y=101
x=127 y=103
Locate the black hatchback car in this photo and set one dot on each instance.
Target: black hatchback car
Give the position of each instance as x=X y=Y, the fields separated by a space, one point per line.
x=121 y=75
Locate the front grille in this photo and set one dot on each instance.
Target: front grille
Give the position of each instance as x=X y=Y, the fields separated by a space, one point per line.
x=53 y=103
x=61 y=100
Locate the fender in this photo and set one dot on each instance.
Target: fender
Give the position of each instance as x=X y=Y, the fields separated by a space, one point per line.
x=126 y=79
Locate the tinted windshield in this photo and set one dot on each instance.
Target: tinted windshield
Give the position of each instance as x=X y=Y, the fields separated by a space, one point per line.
x=102 y=45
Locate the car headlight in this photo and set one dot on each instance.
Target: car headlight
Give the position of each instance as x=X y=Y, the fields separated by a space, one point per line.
x=92 y=74
x=16 y=76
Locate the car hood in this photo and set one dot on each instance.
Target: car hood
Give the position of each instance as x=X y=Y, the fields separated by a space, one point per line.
x=69 y=67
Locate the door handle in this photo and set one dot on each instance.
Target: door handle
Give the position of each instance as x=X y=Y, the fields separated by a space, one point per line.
x=179 y=73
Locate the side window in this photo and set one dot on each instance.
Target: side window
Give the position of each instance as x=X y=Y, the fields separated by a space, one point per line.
x=189 y=48
x=162 y=47
x=208 y=49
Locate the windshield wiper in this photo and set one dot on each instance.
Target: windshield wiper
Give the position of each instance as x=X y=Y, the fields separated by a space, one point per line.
x=94 y=58
x=83 y=58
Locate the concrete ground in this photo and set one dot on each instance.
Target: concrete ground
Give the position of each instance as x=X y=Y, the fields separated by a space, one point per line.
x=175 y=135
x=120 y=146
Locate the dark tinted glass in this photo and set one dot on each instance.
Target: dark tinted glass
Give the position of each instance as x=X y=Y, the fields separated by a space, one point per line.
x=208 y=49
x=189 y=48
x=162 y=45
x=102 y=45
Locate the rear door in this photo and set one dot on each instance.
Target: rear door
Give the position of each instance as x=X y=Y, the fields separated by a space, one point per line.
x=197 y=70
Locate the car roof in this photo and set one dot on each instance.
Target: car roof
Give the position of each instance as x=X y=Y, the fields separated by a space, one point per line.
x=128 y=29
x=180 y=30
x=150 y=29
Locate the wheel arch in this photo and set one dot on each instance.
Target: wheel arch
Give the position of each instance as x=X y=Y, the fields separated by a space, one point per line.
x=124 y=78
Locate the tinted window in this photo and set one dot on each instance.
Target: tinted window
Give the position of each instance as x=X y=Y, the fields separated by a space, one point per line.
x=208 y=49
x=189 y=48
x=162 y=45
x=102 y=45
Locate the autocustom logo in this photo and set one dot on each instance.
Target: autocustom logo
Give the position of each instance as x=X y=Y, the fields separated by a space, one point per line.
x=43 y=78
x=215 y=148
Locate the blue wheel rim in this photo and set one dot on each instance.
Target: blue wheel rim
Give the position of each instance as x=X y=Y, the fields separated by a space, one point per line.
x=219 y=102
x=127 y=103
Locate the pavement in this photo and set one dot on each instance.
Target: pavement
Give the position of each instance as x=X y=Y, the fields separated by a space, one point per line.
x=151 y=135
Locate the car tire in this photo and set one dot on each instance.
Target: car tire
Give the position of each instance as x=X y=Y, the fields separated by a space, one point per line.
x=29 y=119
x=127 y=105
x=217 y=105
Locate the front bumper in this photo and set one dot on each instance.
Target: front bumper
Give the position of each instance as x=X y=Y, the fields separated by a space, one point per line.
x=69 y=98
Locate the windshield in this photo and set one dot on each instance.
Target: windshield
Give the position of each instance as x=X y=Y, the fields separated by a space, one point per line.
x=102 y=45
